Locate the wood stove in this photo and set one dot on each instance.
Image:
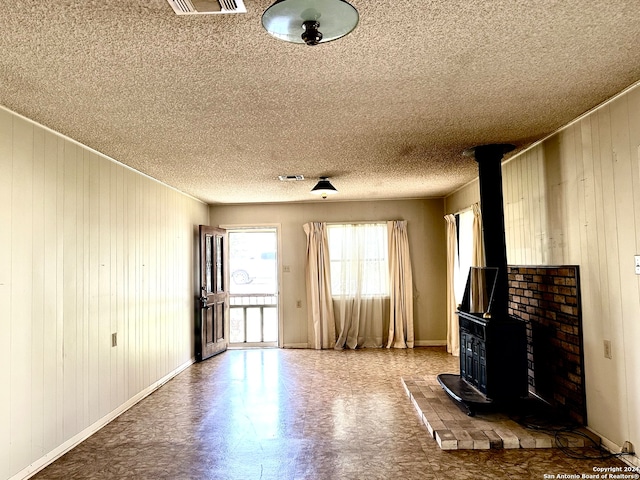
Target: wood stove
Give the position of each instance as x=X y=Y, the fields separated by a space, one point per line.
x=493 y=346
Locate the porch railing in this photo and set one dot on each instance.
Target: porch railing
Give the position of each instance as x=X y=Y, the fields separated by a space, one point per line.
x=253 y=318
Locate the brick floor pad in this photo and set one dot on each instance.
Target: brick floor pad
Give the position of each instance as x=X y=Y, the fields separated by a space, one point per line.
x=453 y=429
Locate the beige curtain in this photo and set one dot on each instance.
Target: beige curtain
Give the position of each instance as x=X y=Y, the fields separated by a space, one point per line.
x=479 y=300
x=400 y=287
x=361 y=322
x=477 y=259
x=360 y=301
x=322 y=332
x=453 y=340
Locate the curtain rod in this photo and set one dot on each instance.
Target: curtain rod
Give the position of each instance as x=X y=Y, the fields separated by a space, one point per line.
x=466 y=209
x=361 y=222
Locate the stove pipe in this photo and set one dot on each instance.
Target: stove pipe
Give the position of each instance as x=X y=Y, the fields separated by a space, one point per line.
x=489 y=158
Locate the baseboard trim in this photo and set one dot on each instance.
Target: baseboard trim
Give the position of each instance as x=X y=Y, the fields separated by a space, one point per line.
x=295 y=345
x=59 y=451
x=430 y=343
x=418 y=343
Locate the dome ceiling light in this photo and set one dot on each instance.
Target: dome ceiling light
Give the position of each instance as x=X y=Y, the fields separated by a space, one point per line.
x=310 y=21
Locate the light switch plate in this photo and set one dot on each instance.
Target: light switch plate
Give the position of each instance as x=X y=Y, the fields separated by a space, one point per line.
x=637 y=260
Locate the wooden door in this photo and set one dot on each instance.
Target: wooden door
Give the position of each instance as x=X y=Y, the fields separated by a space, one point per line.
x=211 y=322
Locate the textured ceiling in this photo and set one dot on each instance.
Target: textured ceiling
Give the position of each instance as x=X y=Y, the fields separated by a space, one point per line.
x=214 y=106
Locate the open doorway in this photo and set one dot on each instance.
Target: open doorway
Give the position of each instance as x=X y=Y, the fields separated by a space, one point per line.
x=253 y=286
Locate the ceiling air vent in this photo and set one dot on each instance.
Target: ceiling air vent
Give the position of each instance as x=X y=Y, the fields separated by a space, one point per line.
x=291 y=178
x=203 y=7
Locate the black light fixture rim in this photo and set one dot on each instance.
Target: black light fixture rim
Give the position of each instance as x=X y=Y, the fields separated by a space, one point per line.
x=323 y=184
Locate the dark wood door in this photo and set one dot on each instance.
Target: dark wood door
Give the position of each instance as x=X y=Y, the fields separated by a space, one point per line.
x=211 y=322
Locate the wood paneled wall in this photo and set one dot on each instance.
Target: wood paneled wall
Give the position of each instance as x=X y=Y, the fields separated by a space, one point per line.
x=88 y=248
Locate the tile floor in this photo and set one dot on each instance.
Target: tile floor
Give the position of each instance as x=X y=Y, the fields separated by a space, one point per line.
x=295 y=414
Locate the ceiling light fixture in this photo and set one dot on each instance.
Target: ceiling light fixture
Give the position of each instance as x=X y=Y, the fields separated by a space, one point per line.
x=310 y=21
x=324 y=188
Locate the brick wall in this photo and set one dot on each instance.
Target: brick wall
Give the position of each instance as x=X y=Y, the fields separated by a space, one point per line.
x=548 y=299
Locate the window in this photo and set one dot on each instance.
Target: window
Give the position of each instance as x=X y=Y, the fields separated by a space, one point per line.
x=465 y=252
x=358 y=257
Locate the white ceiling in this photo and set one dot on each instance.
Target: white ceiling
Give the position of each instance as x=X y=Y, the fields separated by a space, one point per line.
x=214 y=106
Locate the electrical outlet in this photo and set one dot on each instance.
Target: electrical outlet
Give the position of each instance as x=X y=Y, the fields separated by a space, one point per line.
x=607 y=349
x=627 y=447
x=286 y=268
x=114 y=339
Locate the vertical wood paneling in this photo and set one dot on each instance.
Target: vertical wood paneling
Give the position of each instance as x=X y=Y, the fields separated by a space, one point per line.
x=94 y=287
x=78 y=217
x=521 y=241
x=21 y=293
x=610 y=255
x=526 y=210
x=166 y=293
x=509 y=216
x=550 y=159
x=143 y=266
x=172 y=288
x=87 y=248
x=130 y=283
x=590 y=270
x=69 y=331
x=120 y=286
x=152 y=266
x=6 y=210
x=112 y=236
x=634 y=146
x=50 y=291
x=161 y=276
x=632 y=327
x=582 y=199
x=601 y=257
x=138 y=290
x=536 y=187
x=124 y=331
x=37 y=299
x=104 y=288
x=569 y=160
x=523 y=210
x=561 y=192
x=85 y=221
x=626 y=228
x=525 y=214
x=542 y=255
x=60 y=289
